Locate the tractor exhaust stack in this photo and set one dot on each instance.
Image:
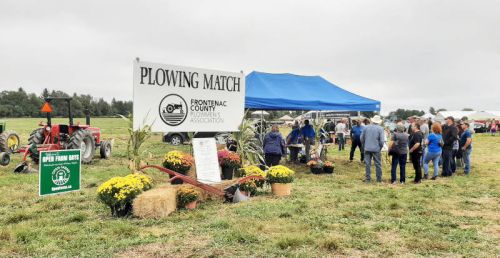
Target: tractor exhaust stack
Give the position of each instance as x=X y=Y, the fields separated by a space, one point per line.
x=87 y=116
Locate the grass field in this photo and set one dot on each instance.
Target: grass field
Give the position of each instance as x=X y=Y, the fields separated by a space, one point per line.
x=326 y=215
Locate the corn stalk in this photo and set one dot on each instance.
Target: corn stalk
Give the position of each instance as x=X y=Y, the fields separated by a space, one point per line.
x=248 y=146
x=135 y=141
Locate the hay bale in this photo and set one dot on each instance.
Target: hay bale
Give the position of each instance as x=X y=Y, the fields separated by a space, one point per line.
x=161 y=201
x=156 y=203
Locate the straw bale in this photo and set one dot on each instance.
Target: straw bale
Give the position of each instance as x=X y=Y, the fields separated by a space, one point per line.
x=156 y=203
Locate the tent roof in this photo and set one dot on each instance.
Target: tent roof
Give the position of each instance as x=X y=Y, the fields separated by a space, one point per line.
x=494 y=112
x=286 y=118
x=427 y=116
x=482 y=115
x=258 y=112
x=455 y=114
x=295 y=92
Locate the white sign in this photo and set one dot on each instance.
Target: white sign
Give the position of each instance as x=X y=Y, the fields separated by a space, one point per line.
x=206 y=161
x=184 y=99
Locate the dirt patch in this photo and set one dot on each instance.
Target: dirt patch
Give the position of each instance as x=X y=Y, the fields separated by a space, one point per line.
x=167 y=249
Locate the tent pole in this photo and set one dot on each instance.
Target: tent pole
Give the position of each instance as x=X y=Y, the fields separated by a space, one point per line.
x=261 y=119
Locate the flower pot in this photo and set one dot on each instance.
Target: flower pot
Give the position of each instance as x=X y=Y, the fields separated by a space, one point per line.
x=280 y=189
x=328 y=170
x=191 y=205
x=227 y=173
x=316 y=171
x=118 y=211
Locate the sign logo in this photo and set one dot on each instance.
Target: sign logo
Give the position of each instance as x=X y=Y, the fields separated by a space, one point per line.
x=60 y=175
x=173 y=110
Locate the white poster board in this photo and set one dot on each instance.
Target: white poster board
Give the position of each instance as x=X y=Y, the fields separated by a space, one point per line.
x=206 y=161
x=185 y=99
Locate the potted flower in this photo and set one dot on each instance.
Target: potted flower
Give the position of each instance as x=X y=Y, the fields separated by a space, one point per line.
x=255 y=171
x=328 y=167
x=119 y=192
x=187 y=197
x=178 y=162
x=316 y=166
x=248 y=188
x=280 y=178
x=229 y=161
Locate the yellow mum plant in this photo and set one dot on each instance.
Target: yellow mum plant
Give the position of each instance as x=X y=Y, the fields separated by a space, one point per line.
x=255 y=171
x=185 y=195
x=280 y=174
x=119 y=192
x=178 y=161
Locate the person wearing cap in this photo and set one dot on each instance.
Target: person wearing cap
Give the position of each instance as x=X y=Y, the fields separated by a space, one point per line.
x=466 y=146
x=399 y=143
x=450 y=134
x=372 y=140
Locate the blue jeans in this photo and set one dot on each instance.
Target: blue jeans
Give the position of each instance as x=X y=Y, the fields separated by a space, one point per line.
x=466 y=157
x=341 y=141
x=435 y=157
x=401 y=160
x=368 y=165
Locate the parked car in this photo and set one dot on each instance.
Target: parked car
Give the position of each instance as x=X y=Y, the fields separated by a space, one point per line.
x=480 y=128
x=178 y=138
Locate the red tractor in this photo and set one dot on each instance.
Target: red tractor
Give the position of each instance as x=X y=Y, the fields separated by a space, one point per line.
x=63 y=137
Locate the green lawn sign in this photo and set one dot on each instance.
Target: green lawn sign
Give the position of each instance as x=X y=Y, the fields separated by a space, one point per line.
x=59 y=172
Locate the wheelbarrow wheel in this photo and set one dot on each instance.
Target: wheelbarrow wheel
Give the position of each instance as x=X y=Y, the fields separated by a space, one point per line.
x=4 y=158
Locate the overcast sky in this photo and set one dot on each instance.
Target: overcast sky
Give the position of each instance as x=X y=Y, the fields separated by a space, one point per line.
x=407 y=54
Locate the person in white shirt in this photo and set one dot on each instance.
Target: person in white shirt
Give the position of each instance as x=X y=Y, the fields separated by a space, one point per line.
x=340 y=130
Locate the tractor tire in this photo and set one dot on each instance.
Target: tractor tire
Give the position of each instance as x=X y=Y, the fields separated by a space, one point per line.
x=84 y=141
x=36 y=137
x=4 y=158
x=9 y=142
x=105 y=149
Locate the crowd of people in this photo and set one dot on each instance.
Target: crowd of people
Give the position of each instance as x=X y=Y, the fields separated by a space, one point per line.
x=448 y=145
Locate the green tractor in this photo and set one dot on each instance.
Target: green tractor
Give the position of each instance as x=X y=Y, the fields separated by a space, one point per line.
x=9 y=143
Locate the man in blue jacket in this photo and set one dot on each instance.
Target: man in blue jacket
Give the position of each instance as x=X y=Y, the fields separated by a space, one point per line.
x=356 y=140
x=292 y=139
x=308 y=135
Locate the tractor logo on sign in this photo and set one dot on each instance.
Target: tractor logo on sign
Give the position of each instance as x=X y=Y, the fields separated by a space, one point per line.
x=60 y=175
x=173 y=110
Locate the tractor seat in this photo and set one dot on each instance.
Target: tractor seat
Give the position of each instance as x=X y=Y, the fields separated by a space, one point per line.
x=63 y=129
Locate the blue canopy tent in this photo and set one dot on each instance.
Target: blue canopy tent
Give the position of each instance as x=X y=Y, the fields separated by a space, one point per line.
x=267 y=91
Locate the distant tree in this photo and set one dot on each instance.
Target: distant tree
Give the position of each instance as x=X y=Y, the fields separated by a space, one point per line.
x=368 y=113
x=432 y=111
x=441 y=109
x=467 y=109
x=405 y=113
x=18 y=103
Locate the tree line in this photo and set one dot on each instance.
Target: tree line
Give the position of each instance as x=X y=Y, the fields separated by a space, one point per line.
x=22 y=104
